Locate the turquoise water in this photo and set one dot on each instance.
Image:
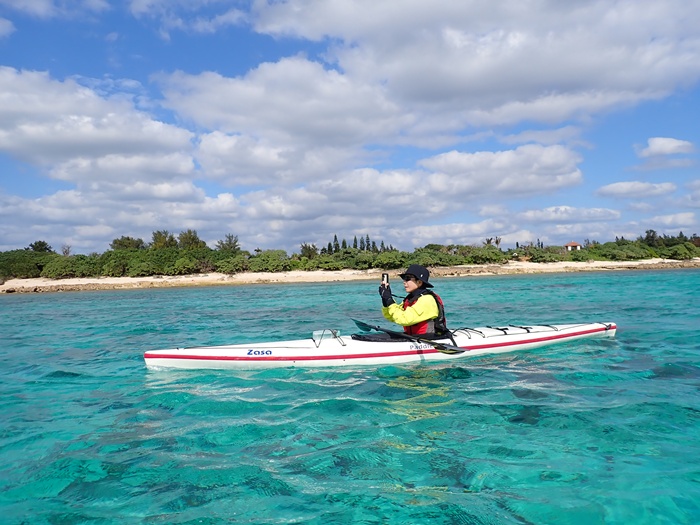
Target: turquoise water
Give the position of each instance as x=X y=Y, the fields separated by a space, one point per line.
x=589 y=432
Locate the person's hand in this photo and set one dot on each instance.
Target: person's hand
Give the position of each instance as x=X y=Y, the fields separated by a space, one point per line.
x=385 y=293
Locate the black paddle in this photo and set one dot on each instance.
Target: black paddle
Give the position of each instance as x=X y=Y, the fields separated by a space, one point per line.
x=440 y=347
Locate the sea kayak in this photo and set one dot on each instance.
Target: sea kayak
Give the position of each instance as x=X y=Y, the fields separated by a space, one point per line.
x=328 y=348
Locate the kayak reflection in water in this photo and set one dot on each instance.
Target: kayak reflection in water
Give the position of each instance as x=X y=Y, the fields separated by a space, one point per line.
x=422 y=311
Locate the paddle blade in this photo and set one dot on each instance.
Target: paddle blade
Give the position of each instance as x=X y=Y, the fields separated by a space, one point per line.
x=363 y=326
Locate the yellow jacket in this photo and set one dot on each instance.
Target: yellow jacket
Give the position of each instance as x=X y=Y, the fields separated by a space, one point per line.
x=424 y=309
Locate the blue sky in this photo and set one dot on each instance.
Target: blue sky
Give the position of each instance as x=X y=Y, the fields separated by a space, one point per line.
x=288 y=122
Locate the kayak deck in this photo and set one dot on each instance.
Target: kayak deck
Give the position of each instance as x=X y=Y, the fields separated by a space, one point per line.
x=329 y=348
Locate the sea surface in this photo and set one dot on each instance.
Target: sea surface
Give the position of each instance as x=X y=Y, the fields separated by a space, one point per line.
x=588 y=432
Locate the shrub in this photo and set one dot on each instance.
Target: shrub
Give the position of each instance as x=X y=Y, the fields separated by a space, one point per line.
x=59 y=268
x=627 y=252
x=486 y=255
x=678 y=252
x=162 y=260
x=361 y=261
x=88 y=265
x=328 y=262
x=141 y=269
x=185 y=266
x=391 y=260
x=231 y=265
x=115 y=263
x=538 y=255
x=425 y=258
x=270 y=261
x=23 y=264
x=580 y=255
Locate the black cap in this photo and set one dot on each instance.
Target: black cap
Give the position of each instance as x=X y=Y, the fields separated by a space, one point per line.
x=419 y=272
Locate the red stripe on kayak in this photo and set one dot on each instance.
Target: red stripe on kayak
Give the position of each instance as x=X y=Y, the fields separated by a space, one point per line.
x=612 y=326
x=284 y=358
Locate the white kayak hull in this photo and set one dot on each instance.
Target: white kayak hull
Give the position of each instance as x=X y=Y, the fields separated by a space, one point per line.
x=327 y=348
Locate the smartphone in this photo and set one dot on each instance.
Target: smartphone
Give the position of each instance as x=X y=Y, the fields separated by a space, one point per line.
x=385 y=278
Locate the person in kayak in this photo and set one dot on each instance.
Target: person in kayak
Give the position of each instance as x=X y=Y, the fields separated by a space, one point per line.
x=422 y=311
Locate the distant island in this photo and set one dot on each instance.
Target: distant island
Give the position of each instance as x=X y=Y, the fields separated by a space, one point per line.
x=41 y=285
x=186 y=260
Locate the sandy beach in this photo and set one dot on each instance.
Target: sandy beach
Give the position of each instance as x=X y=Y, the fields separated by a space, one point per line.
x=218 y=279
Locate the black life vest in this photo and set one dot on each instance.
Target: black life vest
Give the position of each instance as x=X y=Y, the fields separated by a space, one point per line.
x=437 y=326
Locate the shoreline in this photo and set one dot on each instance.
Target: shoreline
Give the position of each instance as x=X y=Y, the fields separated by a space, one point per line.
x=42 y=285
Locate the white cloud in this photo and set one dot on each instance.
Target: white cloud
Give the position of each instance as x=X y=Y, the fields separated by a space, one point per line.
x=54 y=8
x=674 y=220
x=665 y=146
x=636 y=189
x=108 y=215
x=82 y=136
x=291 y=102
x=692 y=198
x=526 y=170
x=243 y=160
x=6 y=27
x=569 y=214
x=664 y=163
x=643 y=207
x=231 y=17
x=456 y=233
x=503 y=62
x=548 y=137
x=39 y=8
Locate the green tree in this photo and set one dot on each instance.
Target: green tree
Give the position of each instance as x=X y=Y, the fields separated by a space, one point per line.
x=229 y=244
x=336 y=244
x=310 y=251
x=127 y=243
x=188 y=240
x=651 y=238
x=41 y=247
x=163 y=239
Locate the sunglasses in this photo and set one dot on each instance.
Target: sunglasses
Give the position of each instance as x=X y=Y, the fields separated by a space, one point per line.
x=408 y=278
